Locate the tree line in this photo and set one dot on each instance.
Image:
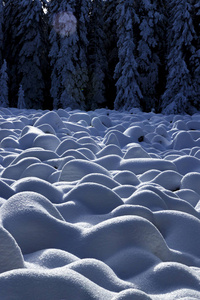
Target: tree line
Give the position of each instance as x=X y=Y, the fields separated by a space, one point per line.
x=88 y=54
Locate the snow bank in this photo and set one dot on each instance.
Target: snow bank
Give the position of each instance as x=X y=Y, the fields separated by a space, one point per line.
x=99 y=205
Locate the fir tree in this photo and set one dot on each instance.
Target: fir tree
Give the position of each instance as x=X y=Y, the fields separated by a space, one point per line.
x=46 y=67
x=11 y=47
x=65 y=80
x=96 y=57
x=195 y=57
x=110 y=45
x=21 y=103
x=32 y=52
x=82 y=13
x=54 y=40
x=1 y=32
x=149 y=52
x=126 y=71
x=71 y=95
x=4 y=85
x=179 y=89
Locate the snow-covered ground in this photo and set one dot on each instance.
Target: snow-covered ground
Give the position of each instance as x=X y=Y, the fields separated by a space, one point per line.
x=99 y=205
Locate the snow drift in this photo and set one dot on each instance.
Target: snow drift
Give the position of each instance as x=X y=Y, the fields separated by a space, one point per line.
x=99 y=205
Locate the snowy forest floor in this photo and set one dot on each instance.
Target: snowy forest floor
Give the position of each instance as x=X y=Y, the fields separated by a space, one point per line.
x=99 y=205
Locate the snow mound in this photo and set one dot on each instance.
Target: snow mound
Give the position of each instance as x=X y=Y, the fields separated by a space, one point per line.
x=51 y=118
x=139 y=233
x=191 y=181
x=10 y=254
x=100 y=179
x=141 y=165
x=46 y=141
x=186 y=164
x=40 y=186
x=29 y=217
x=15 y=171
x=99 y=205
x=96 y=197
x=76 y=169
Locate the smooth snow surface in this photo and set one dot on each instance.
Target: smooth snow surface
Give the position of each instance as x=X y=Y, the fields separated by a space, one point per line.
x=99 y=205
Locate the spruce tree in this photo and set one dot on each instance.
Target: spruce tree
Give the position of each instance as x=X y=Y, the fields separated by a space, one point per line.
x=82 y=13
x=67 y=62
x=4 y=85
x=54 y=40
x=149 y=51
x=195 y=57
x=66 y=85
x=126 y=71
x=110 y=44
x=11 y=47
x=1 y=32
x=181 y=37
x=21 y=103
x=32 y=45
x=96 y=57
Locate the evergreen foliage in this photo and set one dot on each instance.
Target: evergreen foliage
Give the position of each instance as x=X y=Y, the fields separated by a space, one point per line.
x=31 y=55
x=82 y=12
x=195 y=57
x=148 y=52
x=97 y=64
x=110 y=44
x=87 y=54
x=1 y=32
x=67 y=79
x=179 y=94
x=53 y=10
x=21 y=102
x=126 y=71
x=11 y=47
x=4 y=85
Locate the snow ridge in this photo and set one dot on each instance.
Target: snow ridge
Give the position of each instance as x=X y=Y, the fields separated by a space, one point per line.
x=99 y=205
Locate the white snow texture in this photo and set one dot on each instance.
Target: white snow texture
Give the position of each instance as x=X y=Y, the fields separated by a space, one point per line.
x=99 y=205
